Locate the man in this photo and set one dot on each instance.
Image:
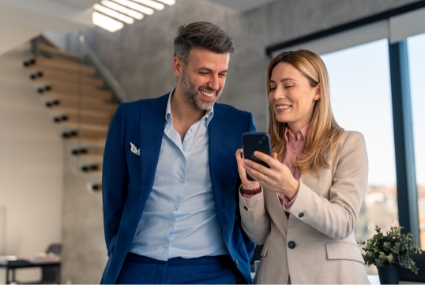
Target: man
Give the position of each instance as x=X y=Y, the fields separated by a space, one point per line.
x=170 y=177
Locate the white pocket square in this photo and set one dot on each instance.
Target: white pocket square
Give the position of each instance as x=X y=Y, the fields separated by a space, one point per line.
x=134 y=149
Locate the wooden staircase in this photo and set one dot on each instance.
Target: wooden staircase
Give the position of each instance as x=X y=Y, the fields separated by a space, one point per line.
x=79 y=102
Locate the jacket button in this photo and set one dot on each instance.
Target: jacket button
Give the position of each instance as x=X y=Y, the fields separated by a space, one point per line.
x=301 y=215
x=236 y=262
x=291 y=245
x=223 y=229
x=245 y=208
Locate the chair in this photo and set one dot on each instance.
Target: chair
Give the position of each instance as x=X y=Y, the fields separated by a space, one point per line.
x=49 y=274
x=55 y=248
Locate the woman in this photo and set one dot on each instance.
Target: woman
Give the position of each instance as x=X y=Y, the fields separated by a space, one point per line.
x=305 y=206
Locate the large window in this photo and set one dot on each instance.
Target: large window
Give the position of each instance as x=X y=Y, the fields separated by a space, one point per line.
x=361 y=101
x=360 y=57
x=416 y=51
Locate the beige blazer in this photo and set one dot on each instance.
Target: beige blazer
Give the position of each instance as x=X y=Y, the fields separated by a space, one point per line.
x=316 y=243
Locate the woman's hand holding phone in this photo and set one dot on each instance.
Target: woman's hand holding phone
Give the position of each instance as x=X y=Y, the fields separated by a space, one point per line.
x=256 y=163
x=277 y=177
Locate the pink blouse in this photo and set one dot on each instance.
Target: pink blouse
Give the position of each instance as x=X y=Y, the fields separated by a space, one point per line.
x=294 y=148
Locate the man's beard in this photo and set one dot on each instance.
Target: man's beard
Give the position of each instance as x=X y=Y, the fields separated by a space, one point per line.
x=190 y=94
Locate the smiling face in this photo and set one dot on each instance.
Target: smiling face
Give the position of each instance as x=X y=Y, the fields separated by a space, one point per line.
x=201 y=80
x=291 y=96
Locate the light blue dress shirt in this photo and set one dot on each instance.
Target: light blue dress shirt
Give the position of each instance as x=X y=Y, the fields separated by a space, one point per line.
x=180 y=218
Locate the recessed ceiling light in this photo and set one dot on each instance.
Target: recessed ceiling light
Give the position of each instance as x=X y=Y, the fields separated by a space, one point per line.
x=137 y=7
x=106 y=22
x=114 y=14
x=152 y=4
x=122 y=9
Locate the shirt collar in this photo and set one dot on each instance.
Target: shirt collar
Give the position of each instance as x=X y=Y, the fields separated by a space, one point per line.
x=302 y=134
x=169 y=118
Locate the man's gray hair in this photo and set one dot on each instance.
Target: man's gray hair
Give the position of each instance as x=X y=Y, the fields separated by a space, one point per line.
x=201 y=35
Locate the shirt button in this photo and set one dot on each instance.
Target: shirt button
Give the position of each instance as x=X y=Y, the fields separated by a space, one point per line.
x=180 y=181
x=176 y=205
x=291 y=245
x=191 y=130
x=301 y=215
x=165 y=245
x=171 y=223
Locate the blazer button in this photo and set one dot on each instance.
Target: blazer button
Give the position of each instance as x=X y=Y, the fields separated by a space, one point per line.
x=236 y=262
x=301 y=215
x=245 y=208
x=223 y=229
x=291 y=245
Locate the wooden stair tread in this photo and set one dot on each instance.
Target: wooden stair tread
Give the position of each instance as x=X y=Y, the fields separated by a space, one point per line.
x=68 y=82
x=83 y=119
x=90 y=156
x=60 y=64
x=86 y=135
x=93 y=173
x=71 y=97
x=89 y=140
x=56 y=50
x=76 y=111
x=100 y=93
x=84 y=126
x=90 y=150
x=63 y=74
x=104 y=107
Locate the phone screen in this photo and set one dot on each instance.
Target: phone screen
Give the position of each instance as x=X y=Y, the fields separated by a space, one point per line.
x=256 y=141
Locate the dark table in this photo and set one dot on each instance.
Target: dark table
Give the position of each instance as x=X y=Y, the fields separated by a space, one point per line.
x=11 y=266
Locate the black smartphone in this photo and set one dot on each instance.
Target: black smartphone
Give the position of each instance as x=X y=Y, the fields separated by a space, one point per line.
x=256 y=141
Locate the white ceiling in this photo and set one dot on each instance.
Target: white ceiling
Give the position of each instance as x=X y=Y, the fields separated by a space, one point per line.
x=79 y=3
x=242 y=5
x=21 y=20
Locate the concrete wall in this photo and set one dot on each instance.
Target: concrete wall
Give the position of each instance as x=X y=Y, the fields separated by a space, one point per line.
x=140 y=55
x=84 y=254
x=125 y=53
x=31 y=167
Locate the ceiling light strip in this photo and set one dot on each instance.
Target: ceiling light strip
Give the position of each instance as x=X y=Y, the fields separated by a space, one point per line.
x=134 y=6
x=168 y=2
x=122 y=9
x=106 y=22
x=151 y=4
x=114 y=14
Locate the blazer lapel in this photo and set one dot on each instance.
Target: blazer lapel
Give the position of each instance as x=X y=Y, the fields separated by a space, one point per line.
x=213 y=144
x=152 y=122
x=217 y=142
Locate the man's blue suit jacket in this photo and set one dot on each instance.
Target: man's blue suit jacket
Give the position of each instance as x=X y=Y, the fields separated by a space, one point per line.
x=128 y=178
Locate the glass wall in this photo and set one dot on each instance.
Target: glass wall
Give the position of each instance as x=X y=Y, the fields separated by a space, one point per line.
x=416 y=50
x=361 y=101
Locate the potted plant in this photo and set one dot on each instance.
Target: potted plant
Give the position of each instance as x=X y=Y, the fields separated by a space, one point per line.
x=389 y=252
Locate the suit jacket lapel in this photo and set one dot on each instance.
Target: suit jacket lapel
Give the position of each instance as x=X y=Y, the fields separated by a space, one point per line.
x=152 y=122
x=216 y=134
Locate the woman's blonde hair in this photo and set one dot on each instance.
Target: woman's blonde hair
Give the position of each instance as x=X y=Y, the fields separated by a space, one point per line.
x=324 y=132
